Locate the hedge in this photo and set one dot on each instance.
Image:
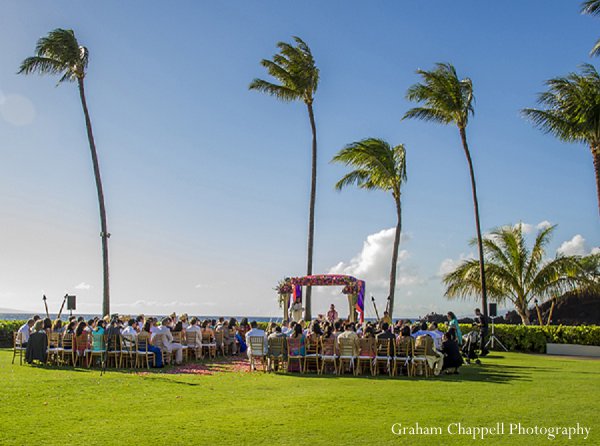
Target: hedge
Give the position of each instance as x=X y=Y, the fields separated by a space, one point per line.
x=523 y=338
x=533 y=338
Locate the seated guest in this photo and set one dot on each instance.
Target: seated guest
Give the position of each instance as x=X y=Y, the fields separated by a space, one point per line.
x=255 y=332
x=452 y=357
x=208 y=333
x=385 y=332
x=178 y=327
x=314 y=333
x=37 y=345
x=349 y=333
x=81 y=339
x=278 y=334
x=285 y=328
x=433 y=357
x=164 y=338
x=71 y=328
x=141 y=321
x=194 y=336
x=25 y=331
x=145 y=333
x=129 y=333
x=57 y=326
x=296 y=347
x=47 y=325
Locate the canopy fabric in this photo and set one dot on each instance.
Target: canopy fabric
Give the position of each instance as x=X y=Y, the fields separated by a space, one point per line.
x=351 y=285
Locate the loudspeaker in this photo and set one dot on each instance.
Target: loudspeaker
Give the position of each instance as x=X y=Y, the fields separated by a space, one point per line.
x=493 y=310
x=71 y=303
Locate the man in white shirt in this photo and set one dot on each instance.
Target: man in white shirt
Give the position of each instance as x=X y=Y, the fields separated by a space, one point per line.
x=24 y=332
x=129 y=333
x=163 y=336
x=254 y=332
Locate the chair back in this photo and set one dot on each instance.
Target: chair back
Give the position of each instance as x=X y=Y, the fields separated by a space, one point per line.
x=384 y=347
x=257 y=345
x=98 y=341
x=192 y=339
x=294 y=346
x=82 y=341
x=114 y=343
x=127 y=344
x=366 y=347
x=312 y=345
x=143 y=341
x=219 y=338
x=424 y=345
x=177 y=336
x=276 y=346
x=328 y=346
x=206 y=337
x=17 y=339
x=346 y=346
x=53 y=340
x=405 y=347
x=67 y=341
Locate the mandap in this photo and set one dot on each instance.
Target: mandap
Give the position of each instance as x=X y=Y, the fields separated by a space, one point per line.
x=290 y=291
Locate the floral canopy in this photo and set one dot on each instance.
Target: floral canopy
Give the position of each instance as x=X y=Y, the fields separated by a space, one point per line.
x=352 y=286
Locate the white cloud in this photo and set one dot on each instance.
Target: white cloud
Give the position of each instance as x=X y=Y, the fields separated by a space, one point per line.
x=83 y=286
x=574 y=247
x=543 y=225
x=595 y=250
x=448 y=265
x=525 y=227
x=372 y=264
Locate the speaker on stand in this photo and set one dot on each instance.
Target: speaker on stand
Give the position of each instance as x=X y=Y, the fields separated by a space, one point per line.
x=493 y=312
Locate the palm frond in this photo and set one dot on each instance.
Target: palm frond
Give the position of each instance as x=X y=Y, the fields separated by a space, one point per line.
x=279 y=91
x=591 y=7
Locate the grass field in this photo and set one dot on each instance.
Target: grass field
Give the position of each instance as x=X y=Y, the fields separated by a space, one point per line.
x=65 y=407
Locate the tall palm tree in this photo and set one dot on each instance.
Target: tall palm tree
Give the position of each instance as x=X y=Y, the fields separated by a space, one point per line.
x=571 y=112
x=377 y=166
x=449 y=100
x=294 y=67
x=592 y=7
x=515 y=273
x=60 y=53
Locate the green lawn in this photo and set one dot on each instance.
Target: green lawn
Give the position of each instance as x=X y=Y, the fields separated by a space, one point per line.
x=64 y=407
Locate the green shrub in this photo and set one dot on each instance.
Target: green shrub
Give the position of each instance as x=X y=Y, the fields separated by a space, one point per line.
x=533 y=338
x=7 y=328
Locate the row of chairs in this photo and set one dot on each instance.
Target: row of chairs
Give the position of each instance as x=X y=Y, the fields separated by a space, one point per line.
x=343 y=354
x=120 y=351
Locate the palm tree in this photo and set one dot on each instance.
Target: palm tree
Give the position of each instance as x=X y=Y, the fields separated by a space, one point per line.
x=448 y=99
x=571 y=112
x=294 y=67
x=515 y=273
x=592 y=7
x=377 y=166
x=60 y=53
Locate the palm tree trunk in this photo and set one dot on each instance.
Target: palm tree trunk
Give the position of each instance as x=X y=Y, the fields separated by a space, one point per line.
x=311 y=211
x=524 y=313
x=395 y=256
x=596 y=155
x=104 y=231
x=463 y=137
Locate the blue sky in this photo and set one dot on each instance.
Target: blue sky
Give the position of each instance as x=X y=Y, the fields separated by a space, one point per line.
x=207 y=183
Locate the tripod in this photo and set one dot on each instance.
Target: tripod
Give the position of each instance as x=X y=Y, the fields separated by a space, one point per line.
x=493 y=338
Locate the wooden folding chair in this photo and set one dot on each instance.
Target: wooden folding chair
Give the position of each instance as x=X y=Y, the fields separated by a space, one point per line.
x=81 y=349
x=114 y=350
x=295 y=354
x=128 y=351
x=219 y=340
x=404 y=355
x=159 y=342
x=209 y=345
x=346 y=348
x=312 y=353
x=257 y=352
x=366 y=355
x=18 y=347
x=54 y=348
x=66 y=355
x=194 y=343
x=328 y=354
x=142 y=354
x=276 y=353
x=384 y=355
x=98 y=349
x=419 y=359
x=180 y=339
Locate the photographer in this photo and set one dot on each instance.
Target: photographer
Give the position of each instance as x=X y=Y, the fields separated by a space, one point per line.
x=482 y=322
